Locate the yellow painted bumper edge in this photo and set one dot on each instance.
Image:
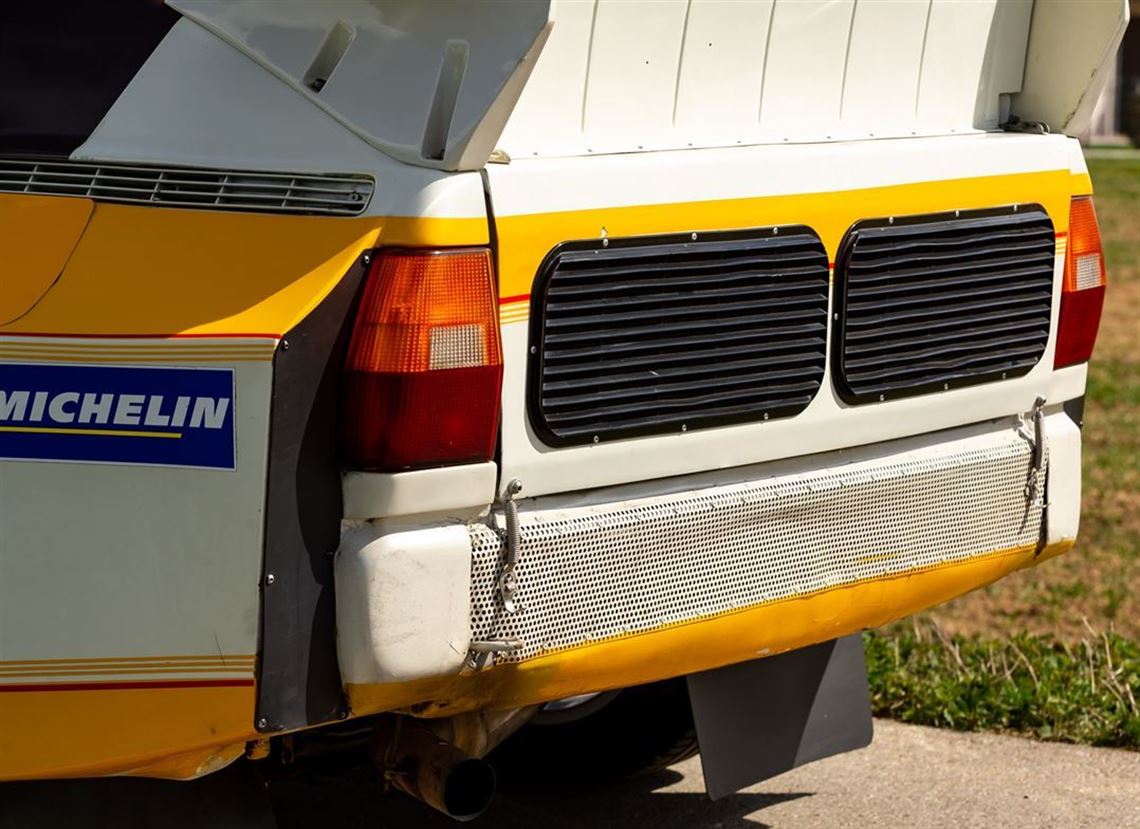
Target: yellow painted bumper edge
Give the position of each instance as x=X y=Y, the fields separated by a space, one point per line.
x=701 y=645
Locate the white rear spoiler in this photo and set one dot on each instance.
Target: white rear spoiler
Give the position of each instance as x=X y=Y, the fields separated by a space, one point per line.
x=429 y=83
x=1072 y=47
x=436 y=83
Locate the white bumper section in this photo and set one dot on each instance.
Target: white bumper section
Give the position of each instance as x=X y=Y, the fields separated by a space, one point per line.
x=592 y=566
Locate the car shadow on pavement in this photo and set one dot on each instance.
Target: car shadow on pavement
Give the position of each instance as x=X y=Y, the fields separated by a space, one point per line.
x=637 y=802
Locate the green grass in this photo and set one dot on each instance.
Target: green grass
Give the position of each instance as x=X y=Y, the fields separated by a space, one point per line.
x=1020 y=655
x=1037 y=686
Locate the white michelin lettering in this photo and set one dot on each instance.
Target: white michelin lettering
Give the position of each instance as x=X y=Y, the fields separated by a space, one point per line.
x=38 y=406
x=181 y=407
x=56 y=410
x=154 y=415
x=95 y=408
x=13 y=404
x=129 y=409
x=209 y=412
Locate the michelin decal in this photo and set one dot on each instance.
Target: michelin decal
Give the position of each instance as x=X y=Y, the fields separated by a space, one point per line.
x=118 y=415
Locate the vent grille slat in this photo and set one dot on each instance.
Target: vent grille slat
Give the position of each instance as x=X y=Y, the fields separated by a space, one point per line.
x=659 y=334
x=935 y=302
x=247 y=191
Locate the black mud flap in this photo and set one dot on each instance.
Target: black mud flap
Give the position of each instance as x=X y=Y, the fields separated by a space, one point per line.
x=761 y=718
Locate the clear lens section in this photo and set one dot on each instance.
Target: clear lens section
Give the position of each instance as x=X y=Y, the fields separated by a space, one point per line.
x=457 y=346
x=1088 y=273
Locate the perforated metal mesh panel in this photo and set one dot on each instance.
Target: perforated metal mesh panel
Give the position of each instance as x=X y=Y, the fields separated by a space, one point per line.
x=596 y=573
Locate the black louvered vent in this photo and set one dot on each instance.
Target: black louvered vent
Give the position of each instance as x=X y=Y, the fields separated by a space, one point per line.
x=670 y=333
x=938 y=302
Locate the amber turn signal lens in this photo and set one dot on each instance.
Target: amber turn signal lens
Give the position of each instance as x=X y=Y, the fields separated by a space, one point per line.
x=1082 y=292
x=425 y=363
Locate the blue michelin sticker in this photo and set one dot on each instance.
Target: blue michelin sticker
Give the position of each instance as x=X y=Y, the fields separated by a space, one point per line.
x=122 y=415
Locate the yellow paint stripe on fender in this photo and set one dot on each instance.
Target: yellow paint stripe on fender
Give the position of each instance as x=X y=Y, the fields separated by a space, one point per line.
x=95 y=731
x=524 y=240
x=700 y=645
x=141 y=270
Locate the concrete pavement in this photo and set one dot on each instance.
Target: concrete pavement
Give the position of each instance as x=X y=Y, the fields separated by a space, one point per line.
x=911 y=776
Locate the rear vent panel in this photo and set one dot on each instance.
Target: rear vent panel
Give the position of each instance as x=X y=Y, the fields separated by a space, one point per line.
x=337 y=195
x=662 y=334
x=937 y=302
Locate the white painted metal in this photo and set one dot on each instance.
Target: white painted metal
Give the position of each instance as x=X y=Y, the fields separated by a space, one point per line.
x=392 y=69
x=622 y=76
x=205 y=104
x=551 y=185
x=1063 y=490
x=455 y=491
x=1071 y=52
x=403 y=603
x=102 y=561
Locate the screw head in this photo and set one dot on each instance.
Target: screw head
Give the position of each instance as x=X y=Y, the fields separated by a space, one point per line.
x=596 y=438
x=605 y=243
x=270 y=578
x=534 y=349
x=946 y=387
x=694 y=237
x=684 y=427
x=366 y=259
x=882 y=397
x=765 y=415
x=262 y=723
x=284 y=345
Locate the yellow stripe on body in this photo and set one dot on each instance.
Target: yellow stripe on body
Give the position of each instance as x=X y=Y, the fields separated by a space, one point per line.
x=524 y=240
x=244 y=273
x=108 y=433
x=169 y=732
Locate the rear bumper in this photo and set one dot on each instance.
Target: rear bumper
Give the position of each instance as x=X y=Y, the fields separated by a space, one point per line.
x=638 y=583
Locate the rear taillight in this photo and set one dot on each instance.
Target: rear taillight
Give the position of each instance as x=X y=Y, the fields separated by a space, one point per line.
x=425 y=364
x=1082 y=294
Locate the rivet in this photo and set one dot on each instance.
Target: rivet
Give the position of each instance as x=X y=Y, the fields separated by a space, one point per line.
x=534 y=349
x=684 y=427
x=891 y=220
x=946 y=387
x=882 y=397
x=366 y=259
x=342 y=714
x=1015 y=208
x=262 y=723
x=765 y=415
x=284 y=345
x=835 y=316
x=605 y=243
x=694 y=237
x=596 y=438
x=270 y=578
x=775 y=231
x=957 y=213
x=1003 y=375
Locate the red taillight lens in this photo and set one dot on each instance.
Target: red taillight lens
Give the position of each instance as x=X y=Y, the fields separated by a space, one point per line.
x=425 y=364
x=1082 y=293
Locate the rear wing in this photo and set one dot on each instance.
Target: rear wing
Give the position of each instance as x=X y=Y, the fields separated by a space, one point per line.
x=444 y=85
x=430 y=84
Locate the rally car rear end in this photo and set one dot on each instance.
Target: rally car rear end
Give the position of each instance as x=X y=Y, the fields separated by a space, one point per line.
x=443 y=406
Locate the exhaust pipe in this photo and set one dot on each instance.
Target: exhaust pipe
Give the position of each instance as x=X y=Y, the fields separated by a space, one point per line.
x=434 y=771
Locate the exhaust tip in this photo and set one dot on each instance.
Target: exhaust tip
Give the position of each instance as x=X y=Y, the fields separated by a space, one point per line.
x=469 y=789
